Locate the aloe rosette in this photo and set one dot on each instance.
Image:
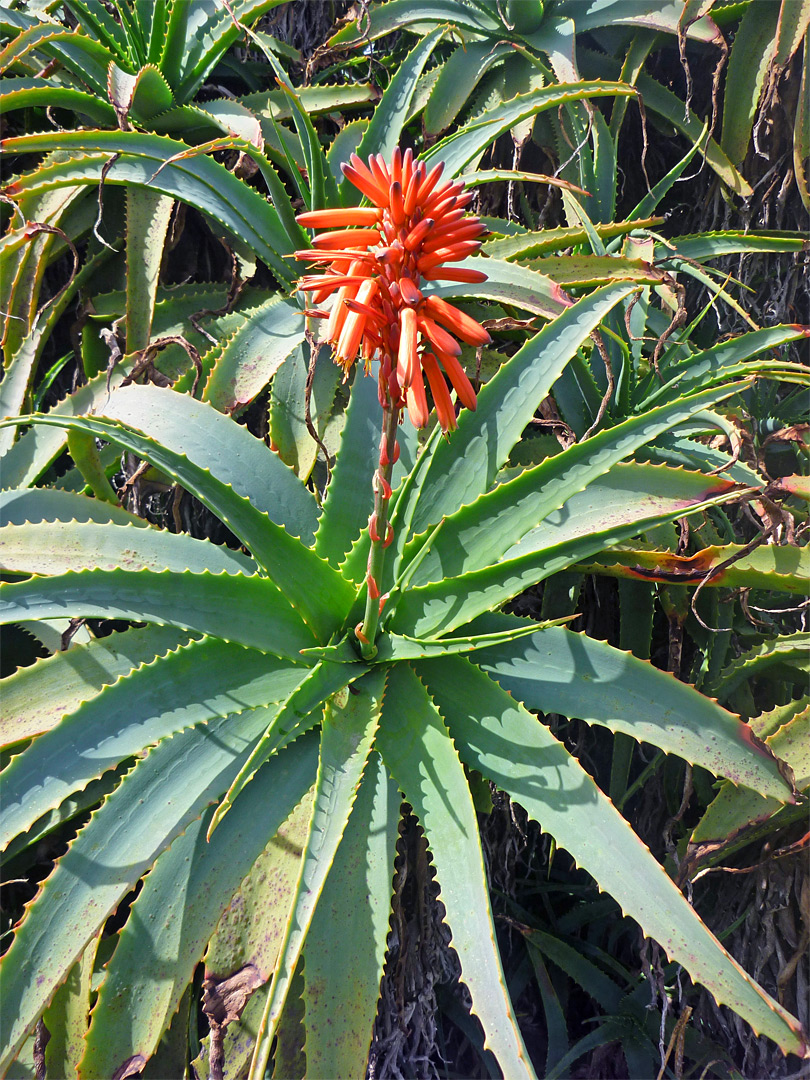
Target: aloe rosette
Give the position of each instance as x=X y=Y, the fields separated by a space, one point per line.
x=248 y=724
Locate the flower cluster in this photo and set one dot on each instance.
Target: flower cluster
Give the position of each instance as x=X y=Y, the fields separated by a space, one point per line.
x=376 y=259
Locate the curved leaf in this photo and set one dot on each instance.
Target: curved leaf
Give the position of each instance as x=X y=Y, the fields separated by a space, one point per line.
x=346 y=740
x=57 y=547
x=167 y=789
x=206 y=603
x=136 y=1000
x=185 y=173
x=343 y=969
x=464 y=148
x=495 y=735
x=35 y=698
x=25 y=93
x=558 y=671
x=198 y=682
x=420 y=754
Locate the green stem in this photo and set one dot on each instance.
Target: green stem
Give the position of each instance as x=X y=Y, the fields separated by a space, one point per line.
x=367 y=630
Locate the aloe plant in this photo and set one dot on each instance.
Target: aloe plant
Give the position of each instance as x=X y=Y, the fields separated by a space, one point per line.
x=251 y=691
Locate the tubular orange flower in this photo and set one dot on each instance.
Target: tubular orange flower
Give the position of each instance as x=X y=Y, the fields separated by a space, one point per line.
x=375 y=260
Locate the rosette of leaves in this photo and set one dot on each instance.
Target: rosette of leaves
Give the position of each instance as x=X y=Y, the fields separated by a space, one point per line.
x=238 y=743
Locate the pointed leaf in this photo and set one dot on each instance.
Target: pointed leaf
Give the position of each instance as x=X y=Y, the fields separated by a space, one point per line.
x=35 y=698
x=346 y=740
x=343 y=968
x=419 y=752
x=509 y=746
x=177 y=911
x=57 y=547
x=206 y=603
x=558 y=671
x=155 y=803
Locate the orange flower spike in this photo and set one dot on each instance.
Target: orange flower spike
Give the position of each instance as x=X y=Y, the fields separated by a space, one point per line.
x=459 y=322
x=343 y=237
x=354 y=326
x=438 y=336
x=407 y=359
x=455 y=273
x=397 y=205
x=418 y=234
x=458 y=377
x=340 y=217
x=411 y=192
x=396 y=166
x=441 y=395
x=416 y=402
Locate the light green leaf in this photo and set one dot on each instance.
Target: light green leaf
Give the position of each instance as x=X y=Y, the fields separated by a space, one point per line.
x=346 y=740
x=177 y=910
x=155 y=803
x=204 y=602
x=420 y=754
x=248 y=358
x=346 y=943
x=509 y=746
x=202 y=681
x=35 y=698
x=558 y=671
x=57 y=547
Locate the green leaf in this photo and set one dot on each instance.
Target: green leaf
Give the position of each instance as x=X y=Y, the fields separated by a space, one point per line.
x=458 y=78
x=249 y=357
x=668 y=105
x=717 y=363
x=225 y=452
x=419 y=752
x=388 y=120
x=346 y=740
x=512 y=284
x=192 y=177
x=345 y=946
x=301 y=710
x=177 y=911
x=349 y=497
x=463 y=149
x=35 y=698
x=482 y=532
x=168 y=788
x=81 y=55
x=57 y=547
x=791 y=651
x=587 y=523
x=558 y=671
x=529 y=244
x=468 y=462
x=26 y=93
x=206 y=603
x=67 y=1015
x=399 y=15
x=287 y=424
x=198 y=682
x=148 y=215
x=711 y=245
x=495 y=735
x=754 y=44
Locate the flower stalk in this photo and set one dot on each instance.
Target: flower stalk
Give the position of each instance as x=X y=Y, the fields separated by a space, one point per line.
x=375 y=262
x=380 y=532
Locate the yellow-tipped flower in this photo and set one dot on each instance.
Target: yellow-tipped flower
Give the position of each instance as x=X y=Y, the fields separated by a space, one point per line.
x=375 y=259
